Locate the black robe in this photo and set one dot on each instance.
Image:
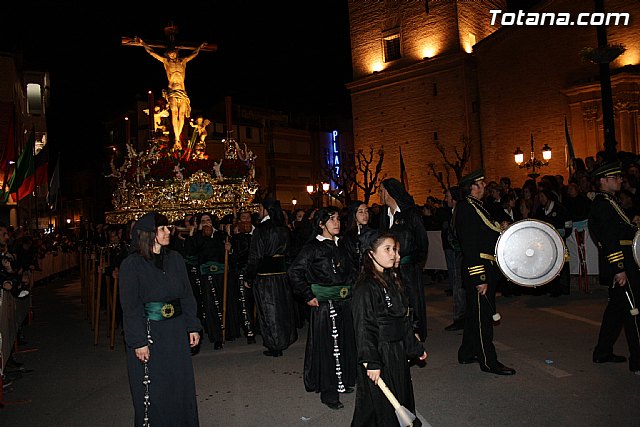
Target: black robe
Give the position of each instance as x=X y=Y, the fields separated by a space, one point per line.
x=207 y=249
x=266 y=271
x=326 y=266
x=172 y=389
x=410 y=232
x=239 y=258
x=385 y=341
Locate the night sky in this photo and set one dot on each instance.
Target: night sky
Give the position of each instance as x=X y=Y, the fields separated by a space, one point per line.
x=287 y=55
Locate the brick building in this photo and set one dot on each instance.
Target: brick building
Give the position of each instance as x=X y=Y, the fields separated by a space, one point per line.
x=435 y=72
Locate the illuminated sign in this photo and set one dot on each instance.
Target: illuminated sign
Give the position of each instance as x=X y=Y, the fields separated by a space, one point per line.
x=335 y=153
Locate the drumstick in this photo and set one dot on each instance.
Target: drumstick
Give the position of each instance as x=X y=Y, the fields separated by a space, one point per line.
x=496 y=316
x=634 y=311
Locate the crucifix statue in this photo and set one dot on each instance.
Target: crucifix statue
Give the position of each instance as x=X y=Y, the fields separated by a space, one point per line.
x=175 y=67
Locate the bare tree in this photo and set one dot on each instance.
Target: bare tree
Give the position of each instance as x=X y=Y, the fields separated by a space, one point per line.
x=371 y=175
x=344 y=180
x=457 y=166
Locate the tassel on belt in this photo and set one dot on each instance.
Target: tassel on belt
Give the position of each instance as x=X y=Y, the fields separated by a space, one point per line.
x=162 y=310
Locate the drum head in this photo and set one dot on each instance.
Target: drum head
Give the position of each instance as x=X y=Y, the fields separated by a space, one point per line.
x=530 y=252
x=636 y=247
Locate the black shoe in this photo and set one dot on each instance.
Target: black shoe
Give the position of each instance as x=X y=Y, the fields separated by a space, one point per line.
x=613 y=358
x=272 y=353
x=217 y=345
x=348 y=390
x=334 y=405
x=251 y=340
x=417 y=362
x=474 y=359
x=457 y=325
x=499 y=370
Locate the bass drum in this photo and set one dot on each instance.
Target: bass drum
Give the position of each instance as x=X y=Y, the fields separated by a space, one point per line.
x=530 y=252
x=635 y=246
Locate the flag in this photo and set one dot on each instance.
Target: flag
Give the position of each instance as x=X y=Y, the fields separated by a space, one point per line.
x=8 y=155
x=403 y=172
x=54 y=187
x=41 y=161
x=570 y=155
x=21 y=183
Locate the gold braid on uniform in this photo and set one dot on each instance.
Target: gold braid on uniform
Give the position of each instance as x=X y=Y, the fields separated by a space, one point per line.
x=483 y=214
x=618 y=209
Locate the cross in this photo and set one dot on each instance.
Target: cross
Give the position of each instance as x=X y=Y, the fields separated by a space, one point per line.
x=175 y=67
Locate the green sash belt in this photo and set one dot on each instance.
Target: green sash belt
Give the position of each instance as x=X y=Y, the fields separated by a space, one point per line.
x=272 y=265
x=211 y=268
x=162 y=310
x=409 y=259
x=191 y=260
x=325 y=293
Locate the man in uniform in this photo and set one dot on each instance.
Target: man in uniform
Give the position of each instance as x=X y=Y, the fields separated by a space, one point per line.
x=477 y=234
x=613 y=232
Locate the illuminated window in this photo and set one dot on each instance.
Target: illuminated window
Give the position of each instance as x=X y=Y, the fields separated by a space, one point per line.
x=34 y=99
x=391 y=47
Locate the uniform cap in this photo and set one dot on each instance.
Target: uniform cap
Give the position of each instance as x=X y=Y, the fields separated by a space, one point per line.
x=475 y=176
x=608 y=169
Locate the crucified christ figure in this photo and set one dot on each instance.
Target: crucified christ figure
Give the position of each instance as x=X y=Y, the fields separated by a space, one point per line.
x=177 y=93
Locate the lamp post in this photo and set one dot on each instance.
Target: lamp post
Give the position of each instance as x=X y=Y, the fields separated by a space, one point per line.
x=533 y=163
x=316 y=191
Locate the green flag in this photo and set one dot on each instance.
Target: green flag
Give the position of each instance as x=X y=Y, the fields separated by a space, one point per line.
x=25 y=167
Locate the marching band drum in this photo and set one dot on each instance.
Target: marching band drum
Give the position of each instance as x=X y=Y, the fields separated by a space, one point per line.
x=531 y=252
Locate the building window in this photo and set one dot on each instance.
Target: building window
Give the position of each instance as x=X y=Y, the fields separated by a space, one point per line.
x=435 y=89
x=248 y=132
x=391 y=47
x=471 y=41
x=34 y=99
x=435 y=136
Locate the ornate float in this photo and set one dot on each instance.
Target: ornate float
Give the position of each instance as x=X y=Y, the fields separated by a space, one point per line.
x=176 y=183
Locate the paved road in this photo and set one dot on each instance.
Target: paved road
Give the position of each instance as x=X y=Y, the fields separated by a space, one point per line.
x=548 y=340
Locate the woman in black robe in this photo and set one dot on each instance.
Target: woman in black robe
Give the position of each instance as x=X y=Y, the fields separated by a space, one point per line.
x=267 y=274
x=160 y=326
x=322 y=275
x=402 y=218
x=357 y=224
x=384 y=334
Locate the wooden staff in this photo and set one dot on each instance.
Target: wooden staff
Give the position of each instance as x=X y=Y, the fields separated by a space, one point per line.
x=224 y=289
x=114 y=304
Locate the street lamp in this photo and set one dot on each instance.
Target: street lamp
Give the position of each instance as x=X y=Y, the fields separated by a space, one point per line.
x=533 y=163
x=316 y=191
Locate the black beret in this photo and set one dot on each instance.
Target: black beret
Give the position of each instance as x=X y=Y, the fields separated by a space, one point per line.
x=475 y=176
x=607 y=169
x=146 y=222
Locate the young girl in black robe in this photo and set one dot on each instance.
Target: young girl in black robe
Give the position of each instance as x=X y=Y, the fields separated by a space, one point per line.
x=384 y=335
x=321 y=276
